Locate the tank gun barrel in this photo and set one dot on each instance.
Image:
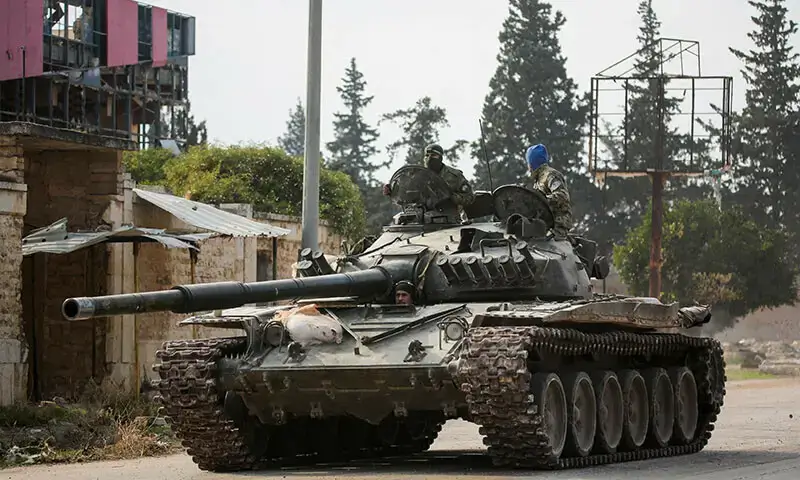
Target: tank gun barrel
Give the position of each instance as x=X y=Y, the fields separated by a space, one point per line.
x=220 y=295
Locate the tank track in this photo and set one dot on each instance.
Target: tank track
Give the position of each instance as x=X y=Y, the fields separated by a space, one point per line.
x=193 y=403
x=493 y=372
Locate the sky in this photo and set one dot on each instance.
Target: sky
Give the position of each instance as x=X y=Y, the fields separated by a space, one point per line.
x=250 y=65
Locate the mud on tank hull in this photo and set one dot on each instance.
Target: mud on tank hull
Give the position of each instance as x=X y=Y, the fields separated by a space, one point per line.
x=548 y=388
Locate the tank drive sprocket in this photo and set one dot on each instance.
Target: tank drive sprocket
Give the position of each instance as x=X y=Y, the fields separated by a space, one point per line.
x=193 y=402
x=522 y=408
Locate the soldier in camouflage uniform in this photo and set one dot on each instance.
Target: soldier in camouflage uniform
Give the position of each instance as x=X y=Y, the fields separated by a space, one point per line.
x=460 y=190
x=551 y=183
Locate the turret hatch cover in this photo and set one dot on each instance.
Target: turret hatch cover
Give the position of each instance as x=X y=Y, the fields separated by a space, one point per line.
x=511 y=199
x=415 y=184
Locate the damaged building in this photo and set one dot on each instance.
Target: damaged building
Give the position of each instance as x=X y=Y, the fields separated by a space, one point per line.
x=81 y=81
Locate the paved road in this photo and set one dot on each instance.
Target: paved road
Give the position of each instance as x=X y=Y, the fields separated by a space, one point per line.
x=757 y=437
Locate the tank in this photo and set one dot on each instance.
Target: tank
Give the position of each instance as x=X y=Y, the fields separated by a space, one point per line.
x=504 y=331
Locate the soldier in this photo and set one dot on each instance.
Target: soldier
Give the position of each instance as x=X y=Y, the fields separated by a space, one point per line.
x=460 y=190
x=551 y=183
x=404 y=293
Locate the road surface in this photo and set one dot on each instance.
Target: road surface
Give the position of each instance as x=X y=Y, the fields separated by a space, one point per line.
x=757 y=437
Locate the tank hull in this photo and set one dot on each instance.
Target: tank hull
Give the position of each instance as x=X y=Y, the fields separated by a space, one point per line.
x=544 y=396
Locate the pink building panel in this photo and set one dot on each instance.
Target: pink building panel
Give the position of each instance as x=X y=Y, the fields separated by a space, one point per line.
x=21 y=26
x=123 y=32
x=159 y=37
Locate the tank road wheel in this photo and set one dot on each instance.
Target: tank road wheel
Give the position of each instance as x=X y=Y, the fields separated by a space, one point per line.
x=581 y=414
x=662 y=406
x=686 y=407
x=548 y=393
x=610 y=411
x=636 y=412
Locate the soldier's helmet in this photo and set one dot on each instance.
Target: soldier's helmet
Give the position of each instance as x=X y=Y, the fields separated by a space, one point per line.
x=404 y=292
x=433 y=157
x=434 y=149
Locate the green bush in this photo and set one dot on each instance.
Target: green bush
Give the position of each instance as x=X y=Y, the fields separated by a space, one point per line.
x=722 y=258
x=269 y=179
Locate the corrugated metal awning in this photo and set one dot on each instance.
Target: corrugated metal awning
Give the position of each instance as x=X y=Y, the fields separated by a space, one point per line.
x=54 y=238
x=210 y=218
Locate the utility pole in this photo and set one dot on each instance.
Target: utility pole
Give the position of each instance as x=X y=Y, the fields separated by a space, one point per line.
x=656 y=163
x=312 y=150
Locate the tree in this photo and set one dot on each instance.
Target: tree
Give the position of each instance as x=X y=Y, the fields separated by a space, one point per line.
x=420 y=126
x=533 y=100
x=268 y=178
x=766 y=147
x=293 y=141
x=197 y=133
x=354 y=139
x=183 y=126
x=723 y=258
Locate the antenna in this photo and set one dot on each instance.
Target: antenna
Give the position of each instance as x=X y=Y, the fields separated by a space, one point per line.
x=485 y=156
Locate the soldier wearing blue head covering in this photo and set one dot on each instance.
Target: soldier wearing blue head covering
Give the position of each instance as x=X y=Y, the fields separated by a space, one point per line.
x=551 y=183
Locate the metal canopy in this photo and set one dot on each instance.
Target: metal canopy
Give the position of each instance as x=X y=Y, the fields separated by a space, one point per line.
x=210 y=218
x=55 y=238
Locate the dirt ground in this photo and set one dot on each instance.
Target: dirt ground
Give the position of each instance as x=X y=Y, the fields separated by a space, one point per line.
x=757 y=437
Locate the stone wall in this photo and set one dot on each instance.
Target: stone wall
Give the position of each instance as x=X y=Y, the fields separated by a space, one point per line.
x=79 y=185
x=330 y=242
x=219 y=259
x=43 y=179
x=13 y=348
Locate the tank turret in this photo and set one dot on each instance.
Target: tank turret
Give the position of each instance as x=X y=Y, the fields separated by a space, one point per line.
x=502 y=330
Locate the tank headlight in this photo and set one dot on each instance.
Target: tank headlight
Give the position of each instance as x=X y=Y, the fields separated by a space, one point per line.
x=274 y=334
x=454 y=330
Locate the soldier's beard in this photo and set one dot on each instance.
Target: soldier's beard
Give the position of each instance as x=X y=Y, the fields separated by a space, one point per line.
x=434 y=164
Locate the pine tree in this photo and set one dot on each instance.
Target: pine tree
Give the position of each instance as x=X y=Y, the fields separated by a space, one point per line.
x=354 y=139
x=293 y=141
x=420 y=126
x=767 y=152
x=197 y=132
x=533 y=100
x=184 y=126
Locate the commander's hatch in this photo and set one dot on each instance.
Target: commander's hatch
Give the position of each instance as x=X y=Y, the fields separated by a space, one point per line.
x=423 y=195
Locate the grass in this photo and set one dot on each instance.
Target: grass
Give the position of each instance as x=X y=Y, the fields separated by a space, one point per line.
x=735 y=373
x=102 y=424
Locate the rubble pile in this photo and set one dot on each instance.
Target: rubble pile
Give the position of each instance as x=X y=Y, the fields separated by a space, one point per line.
x=774 y=357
